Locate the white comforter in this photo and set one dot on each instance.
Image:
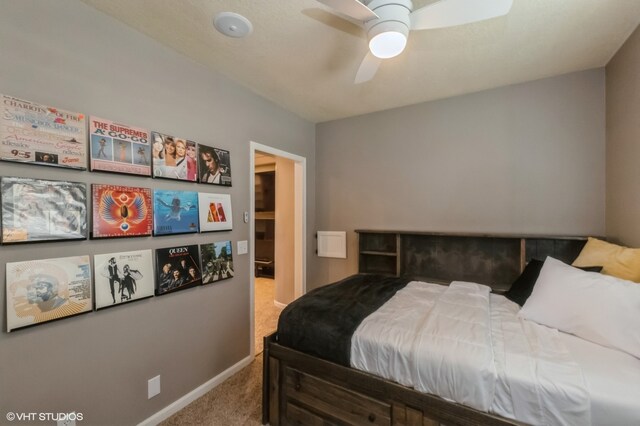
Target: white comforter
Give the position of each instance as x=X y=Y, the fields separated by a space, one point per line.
x=468 y=346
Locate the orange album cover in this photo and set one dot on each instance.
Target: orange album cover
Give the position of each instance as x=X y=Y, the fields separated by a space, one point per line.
x=121 y=211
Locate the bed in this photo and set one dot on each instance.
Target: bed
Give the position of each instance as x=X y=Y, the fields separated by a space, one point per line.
x=309 y=374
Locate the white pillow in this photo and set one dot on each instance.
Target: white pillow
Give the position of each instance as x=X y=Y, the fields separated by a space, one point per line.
x=599 y=308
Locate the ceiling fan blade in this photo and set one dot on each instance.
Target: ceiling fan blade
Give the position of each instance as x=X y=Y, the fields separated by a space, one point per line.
x=449 y=13
x=334 y=21
x=351 y=8
x=368 y=68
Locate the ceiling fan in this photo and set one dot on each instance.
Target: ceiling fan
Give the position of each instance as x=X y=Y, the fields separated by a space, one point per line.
x=388 y=22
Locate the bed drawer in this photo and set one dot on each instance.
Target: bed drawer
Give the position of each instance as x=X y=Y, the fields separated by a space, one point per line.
x=312 y=397
x=297 y=415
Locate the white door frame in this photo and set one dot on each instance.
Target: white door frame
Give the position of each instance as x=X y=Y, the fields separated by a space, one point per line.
x=300 y=237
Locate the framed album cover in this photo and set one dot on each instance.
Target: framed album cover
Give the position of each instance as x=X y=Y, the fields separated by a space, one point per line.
x=175 y=212
x=121 y=211
x=174 y=158
x=42 y=210
x=215 y=212
x=39 y=134
x=177 y=268
x=214 y=165
x=45 y=290
x=119 y=148
x=217 y=261
x=123 y=277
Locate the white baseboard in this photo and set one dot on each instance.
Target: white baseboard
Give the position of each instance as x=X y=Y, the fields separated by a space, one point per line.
x=279 y=305
x=187 y=399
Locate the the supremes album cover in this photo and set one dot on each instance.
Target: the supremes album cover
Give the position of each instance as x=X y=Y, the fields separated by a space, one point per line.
x=175 y=212
x=119 y=148
x=44 y=290
x=42 y=210
x=123 y=277
x=177 y=268
x=40 y=134
x=121 y=211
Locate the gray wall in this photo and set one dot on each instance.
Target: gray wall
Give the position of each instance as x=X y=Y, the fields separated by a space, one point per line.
x=623 y=143
x=68 y=55
x=528 y=158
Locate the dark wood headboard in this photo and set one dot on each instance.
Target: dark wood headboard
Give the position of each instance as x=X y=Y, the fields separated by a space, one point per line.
x=492 y=259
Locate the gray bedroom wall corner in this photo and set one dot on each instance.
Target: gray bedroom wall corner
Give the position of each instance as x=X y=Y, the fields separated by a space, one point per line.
x=623 y=143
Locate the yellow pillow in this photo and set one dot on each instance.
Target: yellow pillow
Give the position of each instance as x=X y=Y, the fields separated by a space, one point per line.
x=617 y=261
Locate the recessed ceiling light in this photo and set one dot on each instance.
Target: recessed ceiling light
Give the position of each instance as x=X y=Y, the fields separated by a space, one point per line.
x=232 y=24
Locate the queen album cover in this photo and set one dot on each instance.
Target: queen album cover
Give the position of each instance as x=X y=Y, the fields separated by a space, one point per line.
x=177 y=268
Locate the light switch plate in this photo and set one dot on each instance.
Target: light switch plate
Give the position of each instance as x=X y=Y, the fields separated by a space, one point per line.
x=243 y=247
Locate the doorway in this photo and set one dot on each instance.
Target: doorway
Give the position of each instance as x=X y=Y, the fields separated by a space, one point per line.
x=277 y=236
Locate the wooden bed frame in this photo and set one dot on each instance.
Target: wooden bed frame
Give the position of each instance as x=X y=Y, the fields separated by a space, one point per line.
x=300 y=389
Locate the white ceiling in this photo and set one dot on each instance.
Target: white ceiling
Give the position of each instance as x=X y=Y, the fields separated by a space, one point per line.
x=298 y=58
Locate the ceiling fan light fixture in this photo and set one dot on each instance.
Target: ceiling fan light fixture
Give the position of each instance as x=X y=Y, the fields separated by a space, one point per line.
x=387 y=44
x=388 y=22
x=388 y=38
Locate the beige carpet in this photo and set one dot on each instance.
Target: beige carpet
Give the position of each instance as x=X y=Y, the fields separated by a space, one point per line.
x=237 y=401
x=266 y=313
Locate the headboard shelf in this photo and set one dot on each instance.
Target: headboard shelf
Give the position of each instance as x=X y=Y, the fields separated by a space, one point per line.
x=491 y=259
x=474 y=234
x=379 y=253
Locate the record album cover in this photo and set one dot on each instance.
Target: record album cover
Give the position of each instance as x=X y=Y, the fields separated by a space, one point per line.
x=40 y=134
x=44 y=290
x=119 y=148
x=174 y=158
x=42 y=210
x=177 y=268
x=121 y=211
x=175 y=212
x=217 y=261
x=215 y=212
x=214 y=165
x=123 y=277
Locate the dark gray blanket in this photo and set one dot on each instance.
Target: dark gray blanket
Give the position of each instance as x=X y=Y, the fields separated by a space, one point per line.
x=321 y=322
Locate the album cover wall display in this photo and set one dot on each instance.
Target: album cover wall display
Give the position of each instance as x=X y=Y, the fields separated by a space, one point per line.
x=177 y=268
x=123 y=277
x=121 y=211
x=217 y=261
x=40 y=134
x=175 y=212
x=119 y=148
x=214 y=165
x=174 y=158
x=44 y=290
x=42 y=210
x=215 y=212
